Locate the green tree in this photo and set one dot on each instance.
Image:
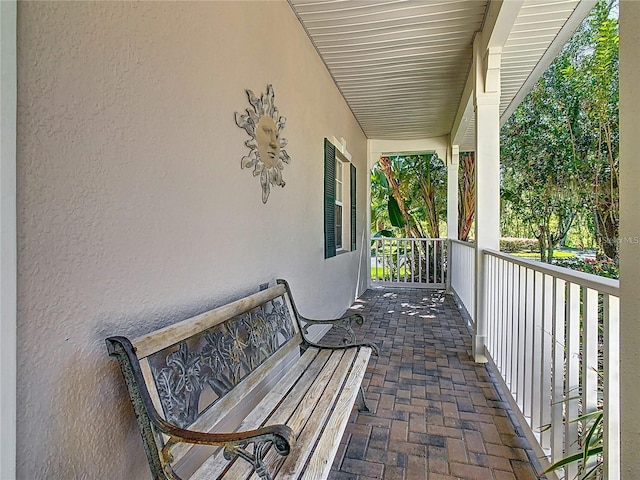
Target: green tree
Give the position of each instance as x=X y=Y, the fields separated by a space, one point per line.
x=466 y=195
x=409 y=193
x=560 y=148
x=538 y=168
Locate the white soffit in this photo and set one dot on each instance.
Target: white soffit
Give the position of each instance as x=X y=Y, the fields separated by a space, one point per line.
x=402 y=65
x=541 y=29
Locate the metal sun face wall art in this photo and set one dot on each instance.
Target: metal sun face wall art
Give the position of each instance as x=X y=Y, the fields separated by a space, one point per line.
x=267 y=155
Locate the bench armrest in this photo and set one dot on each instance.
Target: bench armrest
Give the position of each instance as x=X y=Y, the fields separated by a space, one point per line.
x=344 y=323
x=281 y=436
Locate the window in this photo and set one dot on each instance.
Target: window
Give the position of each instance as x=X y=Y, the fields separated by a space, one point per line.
x=339 y=197
x=339 y=200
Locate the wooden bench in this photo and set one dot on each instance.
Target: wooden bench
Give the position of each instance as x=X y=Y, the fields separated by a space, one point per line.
x=244 y=381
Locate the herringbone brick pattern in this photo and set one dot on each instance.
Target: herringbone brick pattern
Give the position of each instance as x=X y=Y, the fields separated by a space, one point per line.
x=437 y=415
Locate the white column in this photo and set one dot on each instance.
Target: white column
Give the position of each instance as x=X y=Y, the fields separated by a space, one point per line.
x=452 y=206
x=8 y=102
x=452 y=193
x=629 y=239
x=487 y=225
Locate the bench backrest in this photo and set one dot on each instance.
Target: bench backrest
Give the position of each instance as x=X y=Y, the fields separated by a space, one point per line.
x=196 y=370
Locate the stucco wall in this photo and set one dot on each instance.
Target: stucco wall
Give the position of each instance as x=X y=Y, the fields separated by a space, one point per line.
x=132 y=207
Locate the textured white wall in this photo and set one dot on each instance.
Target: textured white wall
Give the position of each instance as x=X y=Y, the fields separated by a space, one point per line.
x=132 y=207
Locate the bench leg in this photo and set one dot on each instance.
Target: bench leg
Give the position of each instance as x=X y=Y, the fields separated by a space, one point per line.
x=362 y=402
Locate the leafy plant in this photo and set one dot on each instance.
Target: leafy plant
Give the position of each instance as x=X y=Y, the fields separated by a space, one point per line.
x=589 y=458
x=408 y=193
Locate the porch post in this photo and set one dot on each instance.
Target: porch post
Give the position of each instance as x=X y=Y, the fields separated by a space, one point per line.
x=452 y=205
x=452 y=193
x=629 y=237
x=487 y=226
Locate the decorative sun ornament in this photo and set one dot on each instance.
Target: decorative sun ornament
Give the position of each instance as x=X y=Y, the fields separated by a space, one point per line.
x=267 y=155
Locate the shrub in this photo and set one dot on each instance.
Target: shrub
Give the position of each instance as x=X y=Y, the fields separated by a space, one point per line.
x=605 y=268
x=518 y=245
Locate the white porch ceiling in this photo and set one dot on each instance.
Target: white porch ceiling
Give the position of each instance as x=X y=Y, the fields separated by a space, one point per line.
x=402 y=65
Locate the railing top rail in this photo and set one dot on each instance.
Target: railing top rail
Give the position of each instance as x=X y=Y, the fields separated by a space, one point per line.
x=595 y=282
x=463 y=242
x=390 y=239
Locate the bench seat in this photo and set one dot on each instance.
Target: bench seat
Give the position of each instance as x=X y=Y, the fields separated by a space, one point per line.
x=314 y=399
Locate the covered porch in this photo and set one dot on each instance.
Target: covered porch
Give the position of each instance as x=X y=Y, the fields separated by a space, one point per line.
x=127 y=205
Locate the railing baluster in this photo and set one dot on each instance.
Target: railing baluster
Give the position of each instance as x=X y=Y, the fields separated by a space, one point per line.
x=426 y=260
x=611 y=387
x=497 y=279
x=572 y=381
x=382 y=260
x=522 y=312
x=376 y=248
x=515 y=322
x=413 y=261
x=546 y=365
x=441 y=278
x=494 y=294
x=590 y=350
x=435 y=254
x=528 y=354
x=404 y=259
x=505 y=317
x=589 y=354
x=537 y=352
x=509 y=321
x=557 y=404
x=494 y=312
x=491 y=304
x=398 y=245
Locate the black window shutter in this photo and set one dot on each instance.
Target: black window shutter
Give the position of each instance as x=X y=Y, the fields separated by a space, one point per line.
x=353 y=206
x=329 y=199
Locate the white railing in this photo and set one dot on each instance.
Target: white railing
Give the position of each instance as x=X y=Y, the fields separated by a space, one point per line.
x=409 y=262
x=462 y=273
x=553 y=335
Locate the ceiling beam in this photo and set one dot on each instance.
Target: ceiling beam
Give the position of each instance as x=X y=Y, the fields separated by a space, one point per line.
x=380 y=148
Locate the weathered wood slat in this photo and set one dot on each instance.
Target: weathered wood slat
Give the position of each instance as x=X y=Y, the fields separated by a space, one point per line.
x=294 y=412
x=291 y=388
x=315 y=420
x=172 y=334
x=326 y=448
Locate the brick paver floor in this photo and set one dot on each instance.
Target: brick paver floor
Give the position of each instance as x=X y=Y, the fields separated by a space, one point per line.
x=437 y=415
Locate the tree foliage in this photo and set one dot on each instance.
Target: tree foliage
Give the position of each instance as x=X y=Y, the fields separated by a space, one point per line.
x=466 y=195
x=409 y=193
x=560 y=147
